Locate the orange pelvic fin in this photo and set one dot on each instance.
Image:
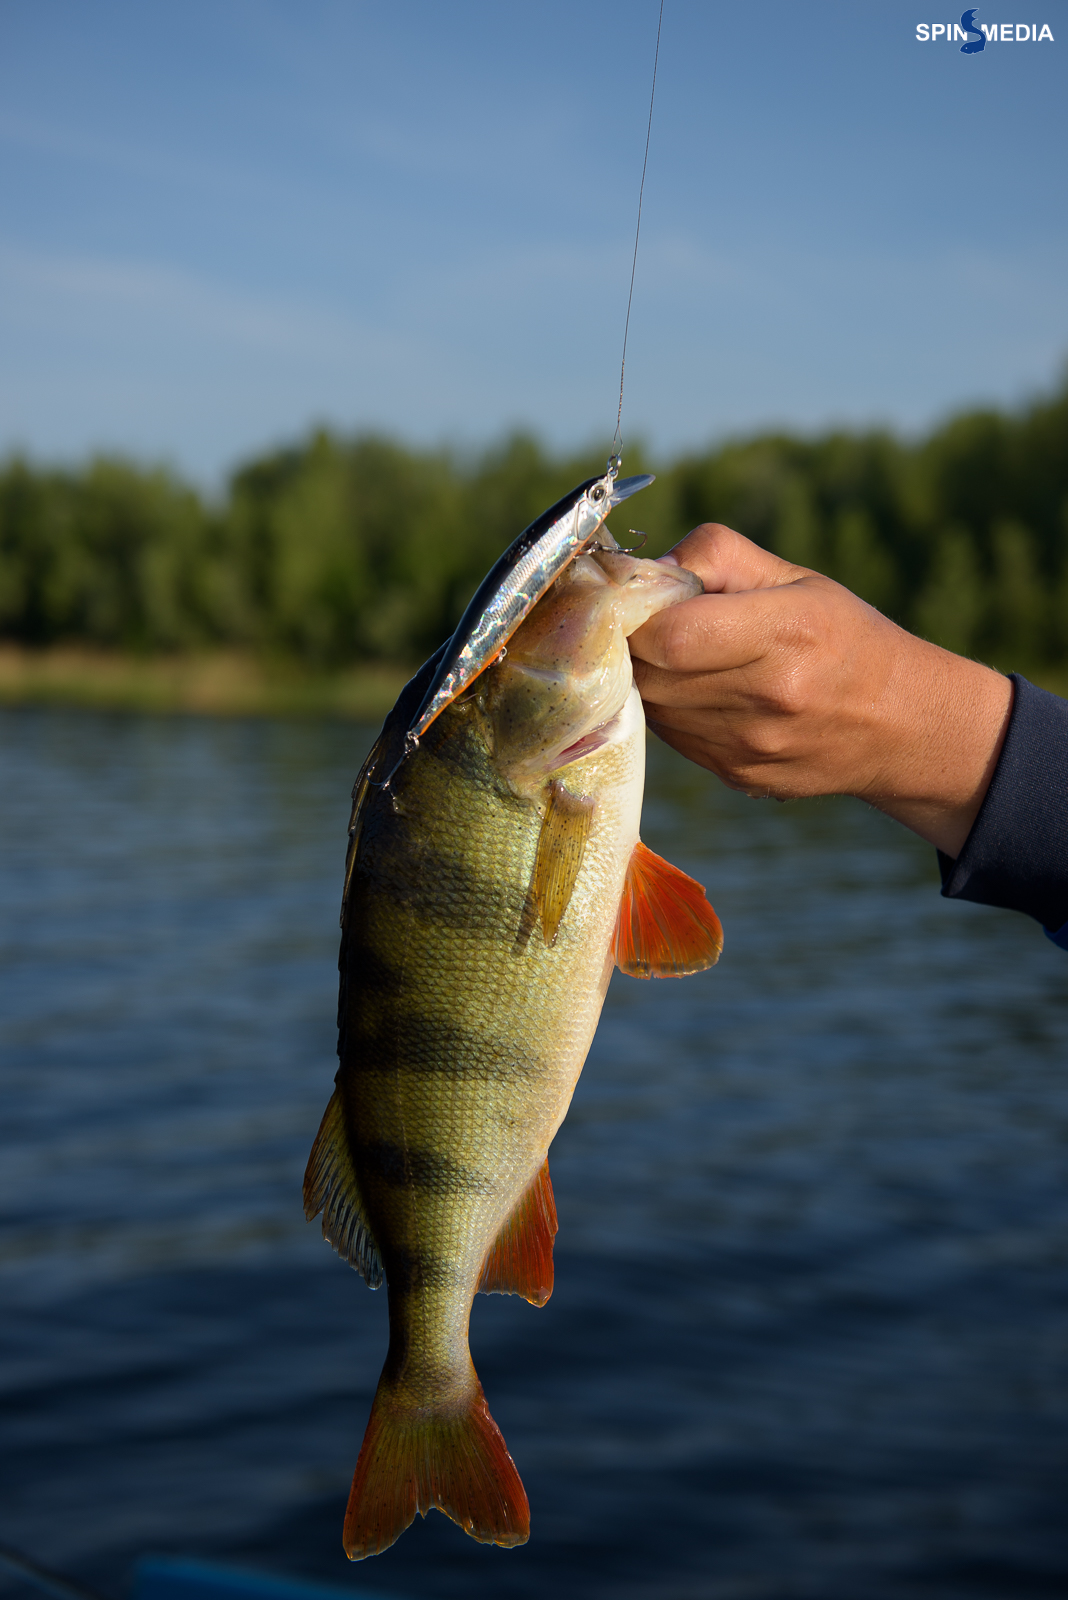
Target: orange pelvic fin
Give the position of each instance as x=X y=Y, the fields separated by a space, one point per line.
x=521 y=1259
x=665 y=927
x=415 y=1460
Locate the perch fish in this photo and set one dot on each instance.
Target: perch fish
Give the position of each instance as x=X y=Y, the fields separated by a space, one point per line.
x=491 y=885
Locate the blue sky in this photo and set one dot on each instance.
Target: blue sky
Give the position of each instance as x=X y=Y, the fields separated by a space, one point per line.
x=225 y=221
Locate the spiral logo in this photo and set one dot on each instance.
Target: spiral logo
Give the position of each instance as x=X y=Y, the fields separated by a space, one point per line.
x=971 y=46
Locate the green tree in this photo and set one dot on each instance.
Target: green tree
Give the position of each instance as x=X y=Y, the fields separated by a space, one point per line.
x=1017 y=626
x=796 y=535
x=34 y=529
x=858 y=561
x=950 y=607
x=336 y=550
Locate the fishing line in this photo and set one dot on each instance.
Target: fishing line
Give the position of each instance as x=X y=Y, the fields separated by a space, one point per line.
x=615 y=459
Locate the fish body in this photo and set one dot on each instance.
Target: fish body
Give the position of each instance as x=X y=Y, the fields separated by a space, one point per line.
x=489 y=891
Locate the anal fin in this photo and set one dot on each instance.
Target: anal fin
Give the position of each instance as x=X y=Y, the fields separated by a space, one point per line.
x=330 y=1186
x=665 y=927
x=521 y=1260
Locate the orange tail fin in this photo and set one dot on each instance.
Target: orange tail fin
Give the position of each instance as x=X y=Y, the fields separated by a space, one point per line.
x=414 y=1460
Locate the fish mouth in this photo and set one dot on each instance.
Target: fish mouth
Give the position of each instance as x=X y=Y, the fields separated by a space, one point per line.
x=623 y=488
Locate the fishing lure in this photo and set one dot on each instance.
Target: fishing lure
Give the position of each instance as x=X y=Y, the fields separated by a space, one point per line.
x=513 y=586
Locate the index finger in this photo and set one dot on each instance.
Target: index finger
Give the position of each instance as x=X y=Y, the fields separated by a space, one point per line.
x=720 y=632
x=726 y=562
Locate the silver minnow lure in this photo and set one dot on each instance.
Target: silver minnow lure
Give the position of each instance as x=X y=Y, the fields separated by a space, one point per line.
x=514 y=584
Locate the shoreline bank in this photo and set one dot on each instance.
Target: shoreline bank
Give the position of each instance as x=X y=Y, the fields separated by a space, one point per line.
x=210 y=683
x=227 y=683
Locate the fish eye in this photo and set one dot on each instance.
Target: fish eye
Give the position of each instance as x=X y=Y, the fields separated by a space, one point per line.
x=597 y=492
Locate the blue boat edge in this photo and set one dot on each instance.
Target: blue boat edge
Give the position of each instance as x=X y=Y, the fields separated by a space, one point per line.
x=186 y=1578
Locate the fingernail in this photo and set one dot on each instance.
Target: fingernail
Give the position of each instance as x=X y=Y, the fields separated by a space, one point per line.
x=670 y=560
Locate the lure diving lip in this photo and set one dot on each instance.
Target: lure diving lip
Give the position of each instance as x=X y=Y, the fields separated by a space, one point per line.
x=623 y=488
x=515 y=583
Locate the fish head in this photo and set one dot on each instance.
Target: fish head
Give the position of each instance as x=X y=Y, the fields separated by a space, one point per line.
x=566 y=675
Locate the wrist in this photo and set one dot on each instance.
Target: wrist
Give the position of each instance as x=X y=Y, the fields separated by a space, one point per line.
x=944 y=721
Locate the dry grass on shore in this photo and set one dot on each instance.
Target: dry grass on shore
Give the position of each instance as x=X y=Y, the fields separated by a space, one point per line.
x=215 y=683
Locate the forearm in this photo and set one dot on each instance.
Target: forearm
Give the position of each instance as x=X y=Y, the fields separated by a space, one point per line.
x=1016 y=855
x=936 y=742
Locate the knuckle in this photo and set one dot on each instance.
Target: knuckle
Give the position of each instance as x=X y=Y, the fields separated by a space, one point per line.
x=714 y=539
x=789 y=702
x=665 y=646
x=763 y=742
x=706 y=546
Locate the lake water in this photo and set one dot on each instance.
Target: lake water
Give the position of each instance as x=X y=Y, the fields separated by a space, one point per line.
x=810 y=1330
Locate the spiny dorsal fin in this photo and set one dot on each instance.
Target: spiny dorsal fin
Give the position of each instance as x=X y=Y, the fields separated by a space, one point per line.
x=330 y=1186
x=521 y=1260
x=359 y=795
x=565 y=828
x=665 y=927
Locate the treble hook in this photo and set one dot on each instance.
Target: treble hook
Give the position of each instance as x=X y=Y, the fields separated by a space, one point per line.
x=411 y=743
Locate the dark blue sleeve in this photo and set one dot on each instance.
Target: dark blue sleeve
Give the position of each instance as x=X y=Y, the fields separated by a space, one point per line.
x=1017 y=852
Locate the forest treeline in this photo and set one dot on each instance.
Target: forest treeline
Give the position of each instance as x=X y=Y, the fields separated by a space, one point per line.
x=344 y=550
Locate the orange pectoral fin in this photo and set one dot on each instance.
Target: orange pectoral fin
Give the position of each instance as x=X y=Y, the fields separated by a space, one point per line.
x=521 y=1259
x=665 y=927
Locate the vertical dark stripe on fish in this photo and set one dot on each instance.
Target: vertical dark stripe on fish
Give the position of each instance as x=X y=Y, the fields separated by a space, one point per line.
x=441 y=889
x=397 y=1040
x=460 y=744
x=408 y=1271
x=363 y=972
x=428 y=1171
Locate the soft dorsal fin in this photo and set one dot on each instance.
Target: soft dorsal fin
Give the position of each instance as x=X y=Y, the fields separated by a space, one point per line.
x=565 y=828
x=665 y=927
x=521 y=1260
x=330 y=1186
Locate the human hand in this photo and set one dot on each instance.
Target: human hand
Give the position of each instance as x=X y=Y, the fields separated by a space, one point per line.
x=784 y=684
